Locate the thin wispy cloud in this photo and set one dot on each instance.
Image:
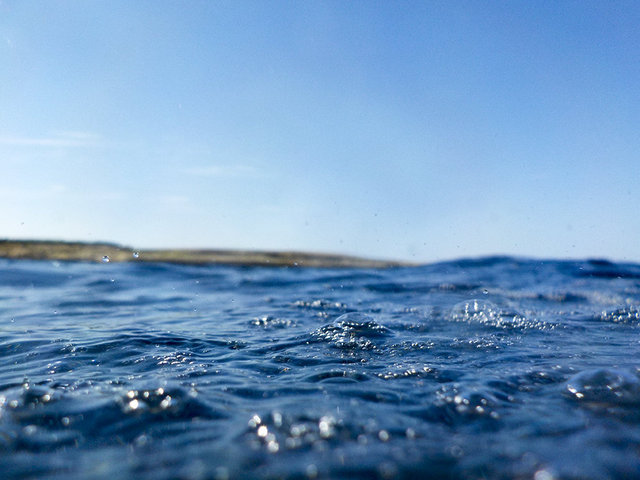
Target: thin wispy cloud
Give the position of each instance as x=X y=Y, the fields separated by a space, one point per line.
x=26 y=194
x=57 y=192
x=60 y=140
x=170 y=203
x=225 y=171
x=174 y=199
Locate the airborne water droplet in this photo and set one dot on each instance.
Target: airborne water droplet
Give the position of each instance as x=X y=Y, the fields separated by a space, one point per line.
x=106 y=259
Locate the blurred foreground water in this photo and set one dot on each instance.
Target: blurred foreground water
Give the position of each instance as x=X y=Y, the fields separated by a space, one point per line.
x=488 y=368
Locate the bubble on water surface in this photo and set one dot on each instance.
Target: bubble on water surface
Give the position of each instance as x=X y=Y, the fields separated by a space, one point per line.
x=605 y=387
x=300 y=431
x=625 y=315
x=320 y=304
x=357 y=320
x=174 y=403
x=476 y=311
x=269 y=321
x=353 y=331
x=484 y=312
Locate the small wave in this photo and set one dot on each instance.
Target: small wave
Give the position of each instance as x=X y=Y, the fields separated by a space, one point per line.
x=46 y=417
x=454 y=404
x=269 y=321
x=625 y=315
x=320 y=304
x=604 y=388
x=338 y=375
x=406 y=371
x=353 y=330
x=484 y=312
x=609 y=274
x=277 y=431
x=32 y=275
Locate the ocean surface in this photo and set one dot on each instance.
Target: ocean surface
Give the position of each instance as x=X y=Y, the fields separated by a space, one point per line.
x=492 y=368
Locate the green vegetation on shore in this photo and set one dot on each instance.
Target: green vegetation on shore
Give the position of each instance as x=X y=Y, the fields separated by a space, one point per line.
x=96 y=252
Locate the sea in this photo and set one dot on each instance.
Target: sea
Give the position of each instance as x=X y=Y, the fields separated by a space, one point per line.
x=486 y=368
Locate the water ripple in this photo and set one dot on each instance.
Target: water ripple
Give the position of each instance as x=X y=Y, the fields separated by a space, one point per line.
x=479 y=368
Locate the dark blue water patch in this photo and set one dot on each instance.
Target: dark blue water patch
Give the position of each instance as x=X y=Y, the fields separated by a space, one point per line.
x=482 y=368
x=608 y=270
x=140 y=300
x=28 y=274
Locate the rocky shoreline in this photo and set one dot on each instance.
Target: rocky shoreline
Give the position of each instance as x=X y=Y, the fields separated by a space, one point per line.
x=109 y=252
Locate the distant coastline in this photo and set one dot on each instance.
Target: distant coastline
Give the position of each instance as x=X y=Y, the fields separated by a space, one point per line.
x=99 y=252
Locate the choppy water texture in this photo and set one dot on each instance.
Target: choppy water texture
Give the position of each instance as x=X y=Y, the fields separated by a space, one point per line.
x=488 y=368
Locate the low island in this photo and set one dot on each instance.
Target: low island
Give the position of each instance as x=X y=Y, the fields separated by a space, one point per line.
x=109 y=252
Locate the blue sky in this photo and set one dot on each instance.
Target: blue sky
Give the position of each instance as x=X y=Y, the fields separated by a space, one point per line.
x=407 y=130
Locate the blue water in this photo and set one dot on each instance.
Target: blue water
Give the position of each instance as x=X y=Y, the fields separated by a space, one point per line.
x=489 y=368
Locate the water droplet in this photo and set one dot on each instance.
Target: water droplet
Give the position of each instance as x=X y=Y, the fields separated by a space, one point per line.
x=222 y=473
x=136 y=254
x=106 y=259
x=166 y=402
x=312 y=471
x=277 y=419
x=255 y=421
x=544 y=474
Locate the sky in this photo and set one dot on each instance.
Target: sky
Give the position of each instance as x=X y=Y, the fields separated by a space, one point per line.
x=413 y=130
